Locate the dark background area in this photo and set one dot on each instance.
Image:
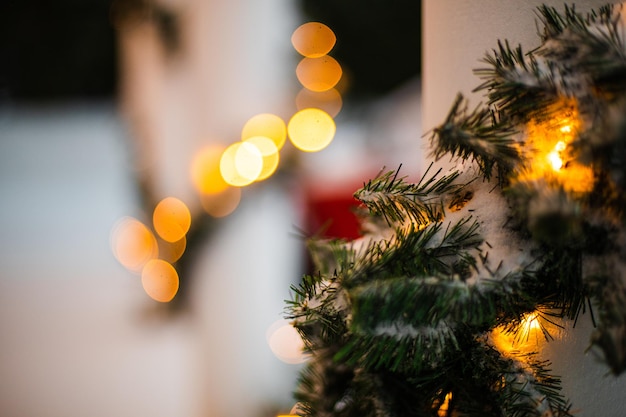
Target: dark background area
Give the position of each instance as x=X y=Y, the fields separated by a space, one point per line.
x=378 y=41
x=66 y=49
x=56 y=50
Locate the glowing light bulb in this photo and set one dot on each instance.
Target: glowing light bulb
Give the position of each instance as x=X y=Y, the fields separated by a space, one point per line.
x=269 y=154
x=443 y=410
x=319 y=74
x=530 y=322
x=241 y=164
x=171 y=219
x=555 y=160
x=205 y=170
x=133 y=244
x=311 y=130
x=554 y=157
x=160 y=280
x=313 y=39
x=286 y=343
x=268 y=125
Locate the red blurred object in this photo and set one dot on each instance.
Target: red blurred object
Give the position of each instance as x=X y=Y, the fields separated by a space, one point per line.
x=330 y=214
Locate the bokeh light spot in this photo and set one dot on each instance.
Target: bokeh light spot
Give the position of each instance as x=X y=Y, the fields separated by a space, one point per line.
x=313 y=39
x=249 y=161
x=205 y=170
x=269 y=154
x=241 y=164
x=286 y=343
x=133 y=244
x=160 y=280
x=311 y=130
x=319 y=74
x=268 y=125
x=171 y=219
x=330 y=100
x=222 y=204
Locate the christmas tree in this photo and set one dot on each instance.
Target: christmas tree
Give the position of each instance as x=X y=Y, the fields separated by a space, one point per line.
x=526 y=229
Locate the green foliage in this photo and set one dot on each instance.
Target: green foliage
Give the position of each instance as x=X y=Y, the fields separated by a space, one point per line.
x=479 y=135
x=402 y=322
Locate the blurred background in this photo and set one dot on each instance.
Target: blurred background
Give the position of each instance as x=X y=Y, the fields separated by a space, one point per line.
x=109 y=107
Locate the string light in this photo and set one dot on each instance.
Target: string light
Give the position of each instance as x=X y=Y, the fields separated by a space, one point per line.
x=171 y=219
x=551 y=157
x=266 y=124
x=269 y=155
x=313 y=39
x=160 y=280
x=218 y=173
x=205 y=170
x=554 y=157
x=285 y=342
x=241 y=164
x=311 y=130
x=319 y=74
x=443 y=410
x=133 y=244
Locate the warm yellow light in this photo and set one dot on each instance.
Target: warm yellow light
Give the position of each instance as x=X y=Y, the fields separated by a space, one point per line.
x=525 y=337
x=319 y=74
x=330 y=100
x=205 y=170
x=269 y=154
x=313 y=39
x=286 y=343
x=555 y=160
x=171 y=219
x=160 y=280
x=248 y=161
x=311 y=130
x=530 y=322
x=241 y=164
x=443 y=410
x=133 y=244
x=547 y=141
x=222 y=204
x=268 y=125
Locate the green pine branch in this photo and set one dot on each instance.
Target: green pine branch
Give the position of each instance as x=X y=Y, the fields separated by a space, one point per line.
x=479 y=135
x=396 y=200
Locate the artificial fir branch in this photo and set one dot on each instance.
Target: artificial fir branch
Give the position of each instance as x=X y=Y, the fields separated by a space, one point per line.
x=480 y=135
x=403 y=322
x=515 y=84
x=396 y=200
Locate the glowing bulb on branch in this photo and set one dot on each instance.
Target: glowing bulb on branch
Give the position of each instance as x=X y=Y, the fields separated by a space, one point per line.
x=554 y=157
x=444 y=410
